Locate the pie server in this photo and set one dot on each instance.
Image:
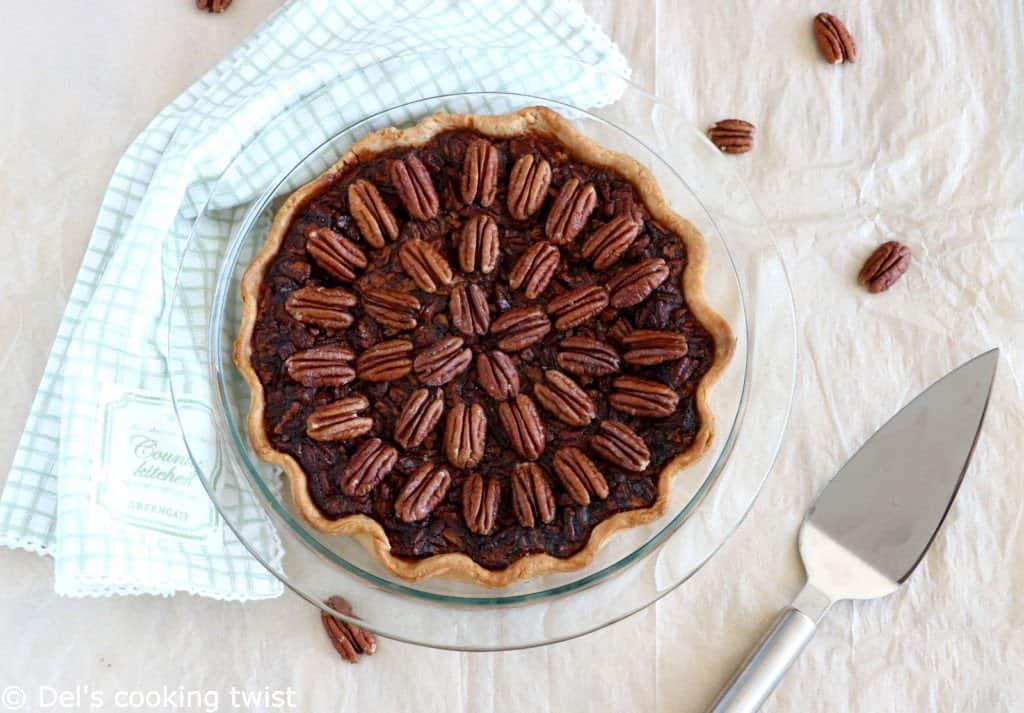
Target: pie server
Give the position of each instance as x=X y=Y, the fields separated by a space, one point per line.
x=874 y=521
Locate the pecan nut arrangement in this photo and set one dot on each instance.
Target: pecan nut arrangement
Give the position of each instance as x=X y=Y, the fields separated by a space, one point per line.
x=481 y=345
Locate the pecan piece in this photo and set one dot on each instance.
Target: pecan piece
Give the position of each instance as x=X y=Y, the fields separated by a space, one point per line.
x=520 y=328
x=420 y=414
x=339 y=420
x=465 y=435
x=653 y=346
x=415 y=189
x=372 y=215
x=633 y=284
x=587 y=357
x=422 y=492
x=322 y=306
x=564 y=398
x=442 y=361
x=643 y=397
x=579 y=476
x=527 y=185
x=369 y=465
x=570 y=211
x=335 y=253
x=393 y=309
x=575 y=307
x=385 y=361
x=534 y=269
x=531 y=495
x=348 y=640
x=322 y=366
x=608 y=243
x=479 y=244
x=480 y=499
x=479 y=180
x=522 y=423
x=425 y=265
x=885 y=266
x=619 y=444
x=216 y=6
x=834 y=40
x=469 y=310
x=497 y=375
x=732 y=135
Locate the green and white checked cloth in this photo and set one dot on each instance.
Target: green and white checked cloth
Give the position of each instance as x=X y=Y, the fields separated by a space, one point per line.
x=97 y=421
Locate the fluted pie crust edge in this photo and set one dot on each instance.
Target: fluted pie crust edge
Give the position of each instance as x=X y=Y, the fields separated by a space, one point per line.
x=368 y=531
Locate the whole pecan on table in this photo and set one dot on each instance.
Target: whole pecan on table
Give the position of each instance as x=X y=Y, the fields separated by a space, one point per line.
x=480 y=499
x=217 y=6
x=339 y=420
x=532 y=499
x=732 y=135
x=422 y=492
x=570 y=211
x=369 y=465
x=834 y=40
x=885 y=266
x=349 y=640
x=619 y=444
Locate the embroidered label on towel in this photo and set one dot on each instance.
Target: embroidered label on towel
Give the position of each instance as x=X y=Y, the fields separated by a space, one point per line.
x=144 y=477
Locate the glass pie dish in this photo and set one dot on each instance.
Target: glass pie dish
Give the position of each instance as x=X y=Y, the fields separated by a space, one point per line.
x=745 y=282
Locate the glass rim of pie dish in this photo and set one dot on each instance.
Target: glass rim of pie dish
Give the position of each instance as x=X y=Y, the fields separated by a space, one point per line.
x=276 y=503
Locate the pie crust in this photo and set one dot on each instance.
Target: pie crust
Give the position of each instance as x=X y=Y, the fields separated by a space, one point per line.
x=456 y=565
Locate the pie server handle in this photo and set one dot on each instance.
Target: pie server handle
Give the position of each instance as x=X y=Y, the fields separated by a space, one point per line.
x=757 y=677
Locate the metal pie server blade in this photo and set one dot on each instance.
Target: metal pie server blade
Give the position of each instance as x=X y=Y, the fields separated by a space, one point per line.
x=874 y=521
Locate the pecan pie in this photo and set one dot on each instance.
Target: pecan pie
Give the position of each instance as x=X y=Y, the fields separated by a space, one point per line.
x=481 y=345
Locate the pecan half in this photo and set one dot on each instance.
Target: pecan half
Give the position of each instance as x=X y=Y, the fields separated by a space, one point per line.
x=322 y=306
x=393 y=309
x=497 y=375
x=339 y=420
x=335 y=253
x=385 y=361
x=619 y=444
x=426 y=266
x=370 y=463
x=479 y=244
x=579 y=476
x=633 y=284
x=465 y=435
x=584 y=356
x=415 y=189
x=469 y=310
x=520 y=328
x=479 y=180
x=322 y=366
x=348 y=640
x=564 y=398
x=442 y=361
x=885 y=266
x=527 y=185
x=422 y=492
x=570 y=211
x=653 y=346
x=522 y=423
x=532 y=500
x=834 y=40
x=732 y=135
x=534 y=269
x=216 y=6
x=575 y=307
x=608 y=243
x=480 y=499
x=372 y=215
x=420 y=414
x=643 y=397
